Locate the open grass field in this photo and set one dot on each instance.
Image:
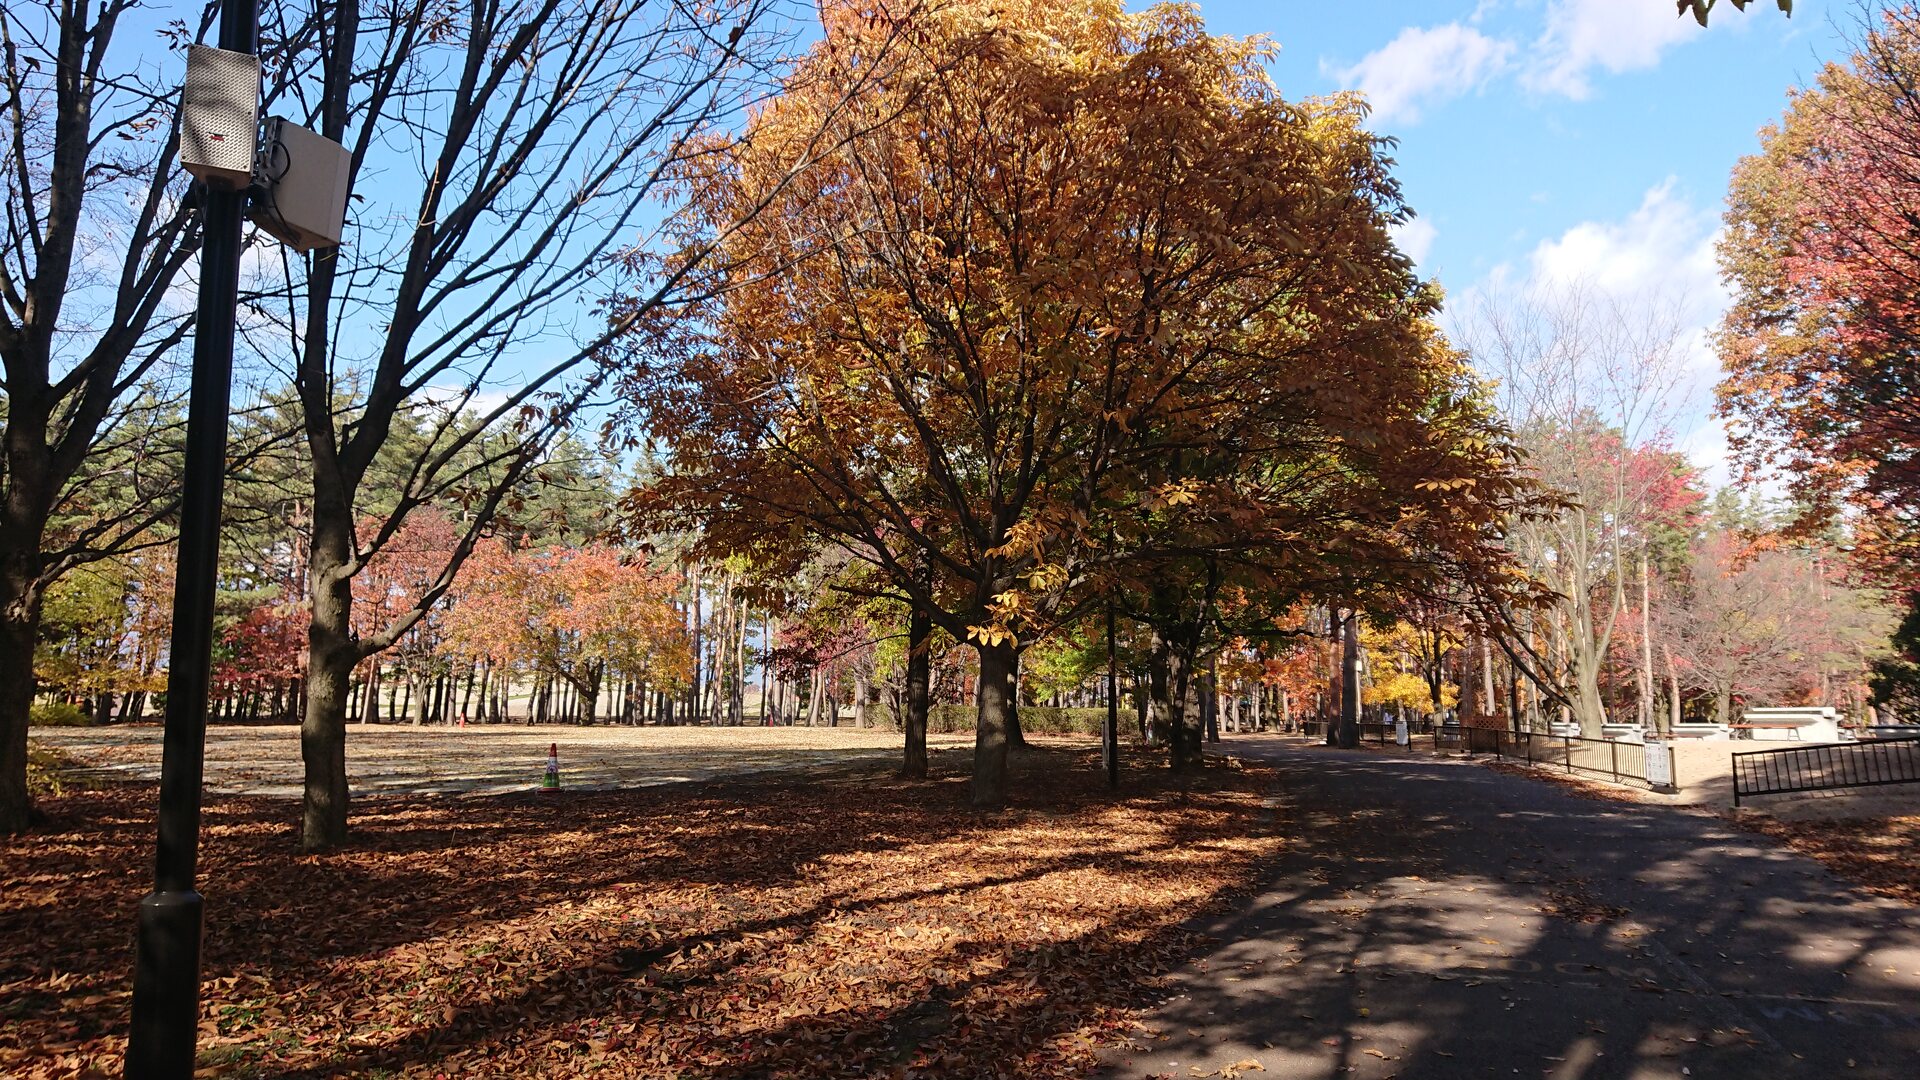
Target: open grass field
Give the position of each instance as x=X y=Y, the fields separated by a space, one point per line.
x=490 y=759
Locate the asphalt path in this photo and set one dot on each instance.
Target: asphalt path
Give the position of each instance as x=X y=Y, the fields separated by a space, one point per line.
x=1434 y=918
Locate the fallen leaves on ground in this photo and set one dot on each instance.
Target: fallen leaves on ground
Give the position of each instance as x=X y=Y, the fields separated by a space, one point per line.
x=785 y=927
x=1571 y=901
x=1876 y=853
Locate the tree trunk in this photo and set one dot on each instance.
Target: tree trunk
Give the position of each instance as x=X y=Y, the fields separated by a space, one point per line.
x=1160 y=692
x=331 y=656
x=1186 y=725
x=589 y=692
x=1350 y=682
x=1331 y=713
x=18 y=631
x=1175 y=694
x=1140 y=709
x=1488 y=692
x=919 y=672
x=1673 y=691
x=997 y=667
x=1016 y=739
x=694 y=692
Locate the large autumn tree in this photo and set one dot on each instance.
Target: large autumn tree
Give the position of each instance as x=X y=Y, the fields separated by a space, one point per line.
x=1062 y=244
x=1822 y=344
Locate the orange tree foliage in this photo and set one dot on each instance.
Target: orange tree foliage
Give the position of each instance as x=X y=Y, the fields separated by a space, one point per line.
x=1391 y=493
x=1822 y=346
x=1054 y=247
x=573 y=613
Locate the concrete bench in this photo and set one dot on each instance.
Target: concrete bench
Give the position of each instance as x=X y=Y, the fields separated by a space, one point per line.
x=1700 y=731
x=1808 y=723
x=1632 y=733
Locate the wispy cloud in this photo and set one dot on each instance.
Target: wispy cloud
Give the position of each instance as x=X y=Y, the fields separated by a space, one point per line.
x=1425 y=67
x=1611 y=35
x=1422 y=68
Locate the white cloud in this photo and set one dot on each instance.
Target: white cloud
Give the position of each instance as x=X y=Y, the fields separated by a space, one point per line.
x=1425 y=67
x=1415 y=238
x=1654 y=269
x=1664 y=247
x=1614 y=35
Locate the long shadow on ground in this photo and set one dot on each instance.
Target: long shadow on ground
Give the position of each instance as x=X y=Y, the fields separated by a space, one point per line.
x=1435 y=919
x=784 y=927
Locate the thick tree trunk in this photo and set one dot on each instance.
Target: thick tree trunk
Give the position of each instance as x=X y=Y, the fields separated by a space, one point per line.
x=1334 y=664
x=1016 y=739
x=1175 y=701
x=1350 y=683
x=589 y=692
x=18 y=630
x=997 y=666
x=1186 y=724
x=332 y=653
x=323 y=751
x=919 y=679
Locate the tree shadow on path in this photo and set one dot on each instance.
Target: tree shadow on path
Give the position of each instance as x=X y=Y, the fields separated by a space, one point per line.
x=1436 y=919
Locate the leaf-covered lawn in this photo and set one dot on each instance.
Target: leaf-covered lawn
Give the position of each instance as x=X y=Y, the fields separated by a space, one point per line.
x=1878 y=853
x=787 y=927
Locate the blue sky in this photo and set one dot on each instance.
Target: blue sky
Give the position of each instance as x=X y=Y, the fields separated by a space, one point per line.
x=1584 y=140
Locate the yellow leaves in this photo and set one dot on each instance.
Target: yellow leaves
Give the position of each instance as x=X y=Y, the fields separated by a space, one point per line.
x=1176 y=494
x=1047 y=576
x=992 y=636
x=1023 y=538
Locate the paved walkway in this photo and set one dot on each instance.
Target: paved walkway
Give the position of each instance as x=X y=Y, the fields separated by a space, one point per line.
x=1438 y=919
x=483 y=759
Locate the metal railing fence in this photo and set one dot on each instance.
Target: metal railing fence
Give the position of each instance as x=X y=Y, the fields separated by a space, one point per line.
x=1611 y=759
x=1828 y=767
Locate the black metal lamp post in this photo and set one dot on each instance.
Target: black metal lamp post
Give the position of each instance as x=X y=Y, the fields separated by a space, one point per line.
x=166 y=974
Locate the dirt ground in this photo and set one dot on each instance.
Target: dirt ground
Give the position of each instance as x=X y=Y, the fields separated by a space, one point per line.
x=406 y=760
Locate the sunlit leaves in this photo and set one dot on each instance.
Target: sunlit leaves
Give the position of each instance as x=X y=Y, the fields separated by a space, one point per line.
x=1822 y=343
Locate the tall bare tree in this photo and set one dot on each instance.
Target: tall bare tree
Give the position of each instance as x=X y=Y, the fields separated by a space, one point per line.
x=98 y=234
x=1592 y=384
x=506 y=159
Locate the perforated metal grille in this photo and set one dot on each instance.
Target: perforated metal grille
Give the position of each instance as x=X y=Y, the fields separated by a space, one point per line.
x=220 y=113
